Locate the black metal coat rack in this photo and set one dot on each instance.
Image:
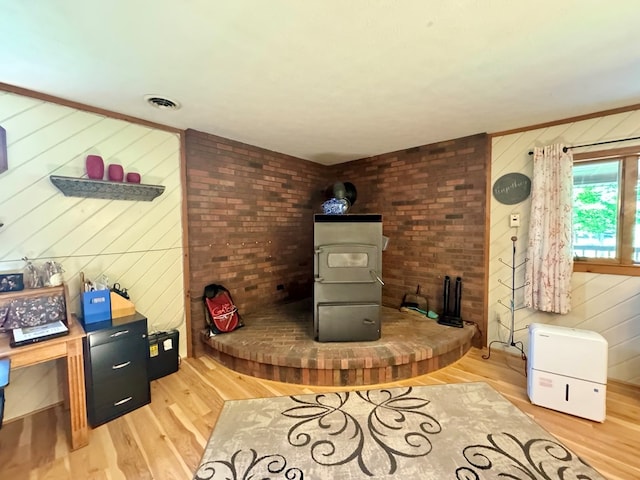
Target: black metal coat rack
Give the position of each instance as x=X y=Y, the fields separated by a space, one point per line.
x=512 y=303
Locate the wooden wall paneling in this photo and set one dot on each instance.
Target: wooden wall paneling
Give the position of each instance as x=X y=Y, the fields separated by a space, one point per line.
x=123 y=239
x=19 y=91
x=186 y=273
x=602 y=303
x=487 y=243
x=15 y=105
x=564 y=121
x=617 y=125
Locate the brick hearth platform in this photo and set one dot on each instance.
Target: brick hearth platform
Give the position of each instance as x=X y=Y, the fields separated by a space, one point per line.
x=277 y=344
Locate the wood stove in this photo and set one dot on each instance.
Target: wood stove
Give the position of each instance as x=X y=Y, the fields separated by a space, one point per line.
x=347 y=291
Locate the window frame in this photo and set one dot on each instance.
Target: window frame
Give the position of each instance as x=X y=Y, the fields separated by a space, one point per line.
x=623 y=265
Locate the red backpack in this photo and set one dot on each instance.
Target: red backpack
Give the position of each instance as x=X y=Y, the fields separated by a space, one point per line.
x=220 y=312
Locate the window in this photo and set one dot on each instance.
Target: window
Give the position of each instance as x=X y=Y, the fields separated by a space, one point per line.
x=606 y=212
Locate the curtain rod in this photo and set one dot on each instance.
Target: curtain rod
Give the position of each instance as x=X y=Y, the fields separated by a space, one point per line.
x=564 y=149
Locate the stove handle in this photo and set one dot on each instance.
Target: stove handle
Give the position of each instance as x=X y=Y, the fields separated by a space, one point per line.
x=376 y=276
x=316 y=267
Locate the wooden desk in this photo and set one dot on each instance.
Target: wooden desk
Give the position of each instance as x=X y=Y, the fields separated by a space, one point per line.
x=69 y=347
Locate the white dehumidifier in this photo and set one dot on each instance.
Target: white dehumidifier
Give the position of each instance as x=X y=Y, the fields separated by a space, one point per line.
x=567 y=370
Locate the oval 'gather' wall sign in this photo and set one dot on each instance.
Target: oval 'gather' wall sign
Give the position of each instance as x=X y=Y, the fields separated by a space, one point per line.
x=512 y=188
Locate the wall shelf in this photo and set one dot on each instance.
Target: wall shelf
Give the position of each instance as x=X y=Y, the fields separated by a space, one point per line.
x=88 y=188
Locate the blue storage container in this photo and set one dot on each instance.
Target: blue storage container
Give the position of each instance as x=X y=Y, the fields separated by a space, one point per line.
x=96 y=306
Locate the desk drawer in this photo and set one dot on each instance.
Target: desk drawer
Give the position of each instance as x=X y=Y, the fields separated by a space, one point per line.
x=112 y=360
x=118 y=333
x=117 y=397
x=108 y=393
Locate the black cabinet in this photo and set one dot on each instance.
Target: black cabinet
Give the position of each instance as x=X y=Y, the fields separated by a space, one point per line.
x=116 y=353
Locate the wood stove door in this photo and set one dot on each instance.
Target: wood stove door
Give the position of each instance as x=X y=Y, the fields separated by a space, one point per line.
x=348 y=322
x=347 y=263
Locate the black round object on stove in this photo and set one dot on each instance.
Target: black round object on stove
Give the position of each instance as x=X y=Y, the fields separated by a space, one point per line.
x=339 y=190
x=351 y=193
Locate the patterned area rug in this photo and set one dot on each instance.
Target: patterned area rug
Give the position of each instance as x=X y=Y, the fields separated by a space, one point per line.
x=456 y=431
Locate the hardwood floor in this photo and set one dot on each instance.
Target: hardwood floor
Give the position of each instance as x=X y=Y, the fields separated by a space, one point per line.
x=164 y=440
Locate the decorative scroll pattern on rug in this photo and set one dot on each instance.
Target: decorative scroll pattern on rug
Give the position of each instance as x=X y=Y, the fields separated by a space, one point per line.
x=396 y=426
x=536 y=458
x=459 y=431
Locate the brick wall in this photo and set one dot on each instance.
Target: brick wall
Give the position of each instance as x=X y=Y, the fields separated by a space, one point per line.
x=250 y=220
x=432 y=200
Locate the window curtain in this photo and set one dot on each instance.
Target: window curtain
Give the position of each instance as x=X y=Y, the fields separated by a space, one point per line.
x=550 y=265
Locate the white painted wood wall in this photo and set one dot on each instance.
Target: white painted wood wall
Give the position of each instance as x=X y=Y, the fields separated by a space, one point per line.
x=137 y=244
x=607 y=304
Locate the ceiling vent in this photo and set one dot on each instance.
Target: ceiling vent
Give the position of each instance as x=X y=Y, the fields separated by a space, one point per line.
x=163 y=103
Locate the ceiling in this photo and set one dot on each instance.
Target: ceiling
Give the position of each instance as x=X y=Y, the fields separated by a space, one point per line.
x=330 y=80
